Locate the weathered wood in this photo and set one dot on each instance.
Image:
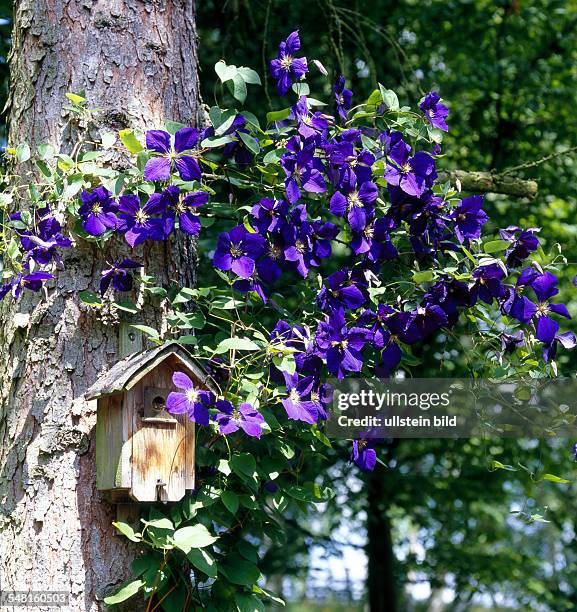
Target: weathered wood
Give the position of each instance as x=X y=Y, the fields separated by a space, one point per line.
x=488 y=182
x=138 y=457
x=136 y=60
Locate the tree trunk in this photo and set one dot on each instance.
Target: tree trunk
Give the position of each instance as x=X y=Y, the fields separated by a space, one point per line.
x=381 y=583
x=136 y=60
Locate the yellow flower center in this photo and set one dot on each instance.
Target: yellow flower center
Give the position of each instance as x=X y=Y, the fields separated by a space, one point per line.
x=294 y=396
x=406 y=168
x=235 y=250
x=141 y=217
x=286 y=62
x=354 y=200
x=543 y=309
x=191 y=395
x=96 y=209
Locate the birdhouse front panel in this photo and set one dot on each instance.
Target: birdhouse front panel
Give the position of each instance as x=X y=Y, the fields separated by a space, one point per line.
x=162 y=444
x=143 y=452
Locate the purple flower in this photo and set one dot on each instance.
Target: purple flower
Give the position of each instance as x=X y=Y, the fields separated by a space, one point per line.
x=339 y=345
x=120 y=275
x=343 y=98
x=523 y=243
x=158 y=168
x=188 y=222
x=364 y=455
x=511 y=342
x=356 y=204
x=435 y=111
x=269 y=214
x=308 y=124
x=343 y=289
x=16 y=285
x=469 y=218
x=98 y=211
x=547 y=334
x=238 y=250
x=488 y=285
x=245 y=417
x=298 y=404
x=287 y=68
x=346 y=166
x=191 y=401
x=138 y=223
x=412 y=174
x=322 y=397
x=42 y=246
x=302 y=169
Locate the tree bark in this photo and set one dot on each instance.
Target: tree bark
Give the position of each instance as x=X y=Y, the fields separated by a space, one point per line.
x=136 y=60
x=381 y=580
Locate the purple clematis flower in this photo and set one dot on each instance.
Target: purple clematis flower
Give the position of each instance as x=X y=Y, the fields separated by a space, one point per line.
x=137 y=222
x=245 y=417
x=356 y=204
x=42 y=245
x=298 y=404
x=339 y=345
x=435 y=111
x=523 y=243
x=309 y=124
x=120 y=275
x=343 y=289
x=16 y=285
x=287 y=68
x=488 y=284
x=302 y=169
x=269 y=215
x=188 y=222
x=191 y=401
x=98 y=211
x=238 y=251
x=348 y=167
x=547 y=334
x=321 y=397
x=364 y=455
x=343 y=98
x=412 y=174
x=159 y=167
x=545 y=287
x=511 y=342
x=469 y=218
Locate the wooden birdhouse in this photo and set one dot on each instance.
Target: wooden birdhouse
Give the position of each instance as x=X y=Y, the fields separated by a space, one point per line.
x=144 y=453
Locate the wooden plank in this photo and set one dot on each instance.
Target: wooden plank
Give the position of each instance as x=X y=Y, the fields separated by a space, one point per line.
x=158 y=450
x=109 y=442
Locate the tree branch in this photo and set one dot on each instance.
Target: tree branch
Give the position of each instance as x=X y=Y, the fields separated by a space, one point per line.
x=487 y=182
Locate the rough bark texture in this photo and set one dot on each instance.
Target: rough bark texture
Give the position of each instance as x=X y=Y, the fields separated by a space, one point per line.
x=137 y=61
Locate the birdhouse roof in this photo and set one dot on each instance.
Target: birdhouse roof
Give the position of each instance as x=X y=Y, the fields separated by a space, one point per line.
x=127 y=372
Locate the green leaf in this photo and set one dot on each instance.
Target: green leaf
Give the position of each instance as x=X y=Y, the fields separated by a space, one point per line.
x=23 y=152
x=301 y=89
x=90 y=298
x=239 y=344
x=202 y=561
x=424 y=277
x=249 y=75
x=243 y=464
x=279 y=115
x=246 y=602
x=128 y=531
x=389 y=98
x=224 y=72
x=129 y=140
x=149 y=331
x=250 y=142
x=196 y=536
x=239 y=571
x=224 y=467
x=46 y=151
x=238 y=88
x=73 y=185
x=173 y=126
x=75 y=98
x=495 y=246
x=497 y=465
x=230 y=500
x=108 y=139
x=553 y=478
x=126 y=592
